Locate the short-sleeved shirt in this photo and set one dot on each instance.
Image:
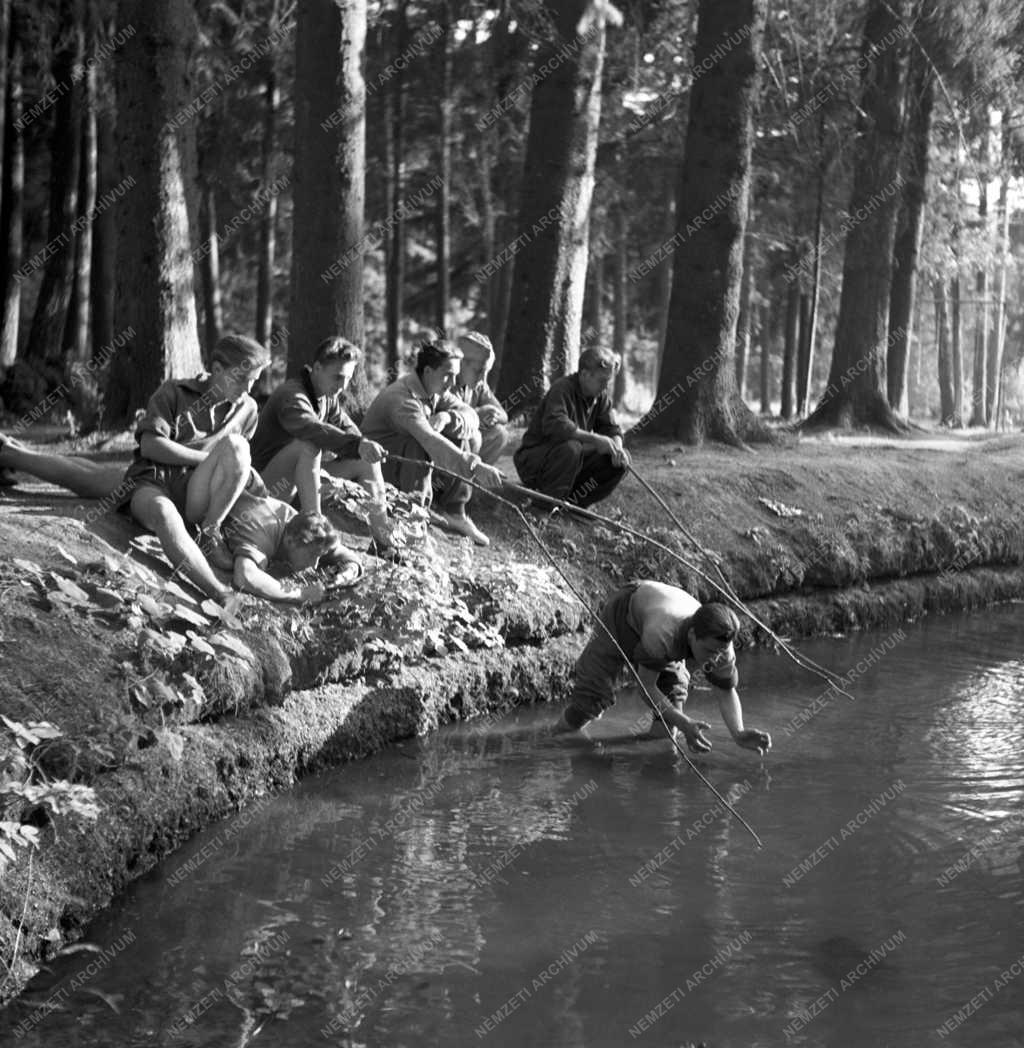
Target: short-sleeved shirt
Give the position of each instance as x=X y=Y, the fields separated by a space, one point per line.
x=255 y=528
x=185 y=411
x=661 y=615
x=405 y=407
x=564 y=410
x=295 y=412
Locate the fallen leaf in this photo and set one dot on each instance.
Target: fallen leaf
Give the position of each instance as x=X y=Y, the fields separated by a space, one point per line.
x=107 y=598
x=67 y=556
x=153 y=608
x=180 y=611
x=199 y=643
x=71 y=589
x=232 y=644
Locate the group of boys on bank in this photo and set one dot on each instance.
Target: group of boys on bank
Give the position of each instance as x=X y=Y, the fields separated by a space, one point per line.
x=214 y=477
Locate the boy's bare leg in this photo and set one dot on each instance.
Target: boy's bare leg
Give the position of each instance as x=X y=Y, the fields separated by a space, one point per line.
x=157 y=512
x=217 y=482
x=91 y=480
x=295 y=466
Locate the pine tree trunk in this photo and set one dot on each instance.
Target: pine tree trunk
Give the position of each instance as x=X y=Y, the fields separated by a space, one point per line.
x=395 y=290
x=956 y=355
x=857 y=374
x=79 y=313
x=444 y=136
x=743 y=327
x=664 y=298
x=910 y=228
x=268 y=223
x=811 y=337
x=789 y=349
x=209 y=269
x=947 y=403
x=154 y=294
x=11 y=213
x=766 y=363
x=803 y=354
x=711 y=205
x=45 y=347
x=995 y=381
x=327 y=242
x=620 y=303
x=104 y=237
x=593 y=302
x=5 y=37
x=543 y=330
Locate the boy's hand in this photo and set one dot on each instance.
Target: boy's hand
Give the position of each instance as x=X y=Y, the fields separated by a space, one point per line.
x=695 y=738
x=752 y=739
x=371 y=451
x=313 y=593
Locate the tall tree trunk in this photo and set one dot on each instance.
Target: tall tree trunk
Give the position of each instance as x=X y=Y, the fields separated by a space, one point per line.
x=910 y=227
x=789 y=350
x=995 y=380
x=857 y=374
x=268 y=223
x=5 y=37
x=811 y=337
x=209 y=268
x=395 y=290
x=79 y=313
x=979 y=397
x=444 y=168
x=543 y=330
x=947 y=403
x=104 y=238
x=766 y=361
x=803 y=353
x=11 y=212
x=593 y=312
x=620 y=303
x=743 y=325
x=664 y=298
x=956 y=355
x=45 y=346
x=712 y=215
x=328 y=243
x=154 y=295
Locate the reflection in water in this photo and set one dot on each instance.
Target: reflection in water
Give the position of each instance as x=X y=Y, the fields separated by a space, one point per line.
x=498 y=887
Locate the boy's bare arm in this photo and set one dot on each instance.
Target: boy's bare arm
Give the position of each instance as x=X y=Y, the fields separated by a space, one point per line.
x=251 y=578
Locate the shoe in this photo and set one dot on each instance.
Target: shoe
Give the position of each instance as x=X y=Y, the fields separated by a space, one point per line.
x=215 y=549
x=462 y=525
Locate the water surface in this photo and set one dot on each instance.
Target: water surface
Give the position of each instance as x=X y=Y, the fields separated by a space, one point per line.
x=486 y=885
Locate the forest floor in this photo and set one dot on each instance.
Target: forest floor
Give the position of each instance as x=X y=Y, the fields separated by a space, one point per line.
x=175 y=713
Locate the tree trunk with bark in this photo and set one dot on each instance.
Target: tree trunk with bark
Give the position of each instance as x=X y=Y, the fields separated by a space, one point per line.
x=857 y=374
x=979 y=397
x=542 y=334
x=803 y=354
x=711 y=206
x=395 y=277
x=910 y=227
x=268 y=221
x=11 y=213
x=947 y=405
x=668 y=231
x=995 y=377
x=45 y=346
x=209 y=268
x=444 y=167
x=104 y=239
x=789 y=350
x=766 y=362
x=154 y=295
x=620 y=303
x=328 y=196
x=743 y=325
x=956 y=355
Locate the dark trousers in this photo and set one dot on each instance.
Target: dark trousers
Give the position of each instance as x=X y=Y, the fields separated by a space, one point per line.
x=449 y=494
x=568 y=471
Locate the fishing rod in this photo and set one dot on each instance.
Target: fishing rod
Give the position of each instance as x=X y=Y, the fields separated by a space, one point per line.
x=593 y=614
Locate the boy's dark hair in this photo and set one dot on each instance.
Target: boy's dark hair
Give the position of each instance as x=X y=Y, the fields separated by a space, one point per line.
x=715 y=620
x=433 y=354
x=598 y=360
x=314 y=530
x=240 y=352
x=335 y=350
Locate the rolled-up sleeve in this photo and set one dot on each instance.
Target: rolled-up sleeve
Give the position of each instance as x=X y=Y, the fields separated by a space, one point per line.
x=299 y=418
x=161 y=414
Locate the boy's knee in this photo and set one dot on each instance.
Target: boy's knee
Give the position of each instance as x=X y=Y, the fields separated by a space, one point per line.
x=307 y=452
x=235 y=449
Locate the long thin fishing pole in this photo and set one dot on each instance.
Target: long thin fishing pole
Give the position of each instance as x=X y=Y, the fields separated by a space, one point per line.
x=597 y=618
x=727 y=590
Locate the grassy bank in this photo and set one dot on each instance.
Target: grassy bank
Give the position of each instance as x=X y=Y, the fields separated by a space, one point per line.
x=175 y=715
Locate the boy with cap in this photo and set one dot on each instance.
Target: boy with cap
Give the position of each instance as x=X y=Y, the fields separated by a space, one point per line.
x=572 y=449
x=303 y=427
x=419 y=417
x=192 y=459
x=661 y=628
x=472 y=387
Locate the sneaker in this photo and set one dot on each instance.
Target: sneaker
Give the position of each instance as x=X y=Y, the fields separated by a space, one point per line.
x=462 y=525
x=215 y=549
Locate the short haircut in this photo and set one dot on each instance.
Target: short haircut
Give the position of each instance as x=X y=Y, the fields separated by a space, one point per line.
x=434 y=354
x=715 y=620
x=311 y=530
x=239 y=352
x=478 y=338
x=598 y=360
x=336 y=350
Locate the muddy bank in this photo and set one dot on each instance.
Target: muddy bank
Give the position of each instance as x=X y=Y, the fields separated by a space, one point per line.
x=177 y=718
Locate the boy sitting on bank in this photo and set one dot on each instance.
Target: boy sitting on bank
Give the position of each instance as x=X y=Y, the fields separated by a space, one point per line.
x=192 y=460
x=303 y=427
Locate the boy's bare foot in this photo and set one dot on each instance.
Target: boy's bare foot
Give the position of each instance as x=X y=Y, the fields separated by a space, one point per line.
x=462 y=525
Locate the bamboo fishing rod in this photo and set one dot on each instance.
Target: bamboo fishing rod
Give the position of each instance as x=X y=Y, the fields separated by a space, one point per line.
x=595 y=616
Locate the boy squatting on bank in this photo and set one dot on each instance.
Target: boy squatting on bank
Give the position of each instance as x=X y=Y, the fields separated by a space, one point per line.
x=661 y=628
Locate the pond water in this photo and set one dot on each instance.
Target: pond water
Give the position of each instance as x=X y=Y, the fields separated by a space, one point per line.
x=487 y=885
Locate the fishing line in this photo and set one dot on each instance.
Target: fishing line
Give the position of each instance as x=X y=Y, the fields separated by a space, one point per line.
x=594 y=615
